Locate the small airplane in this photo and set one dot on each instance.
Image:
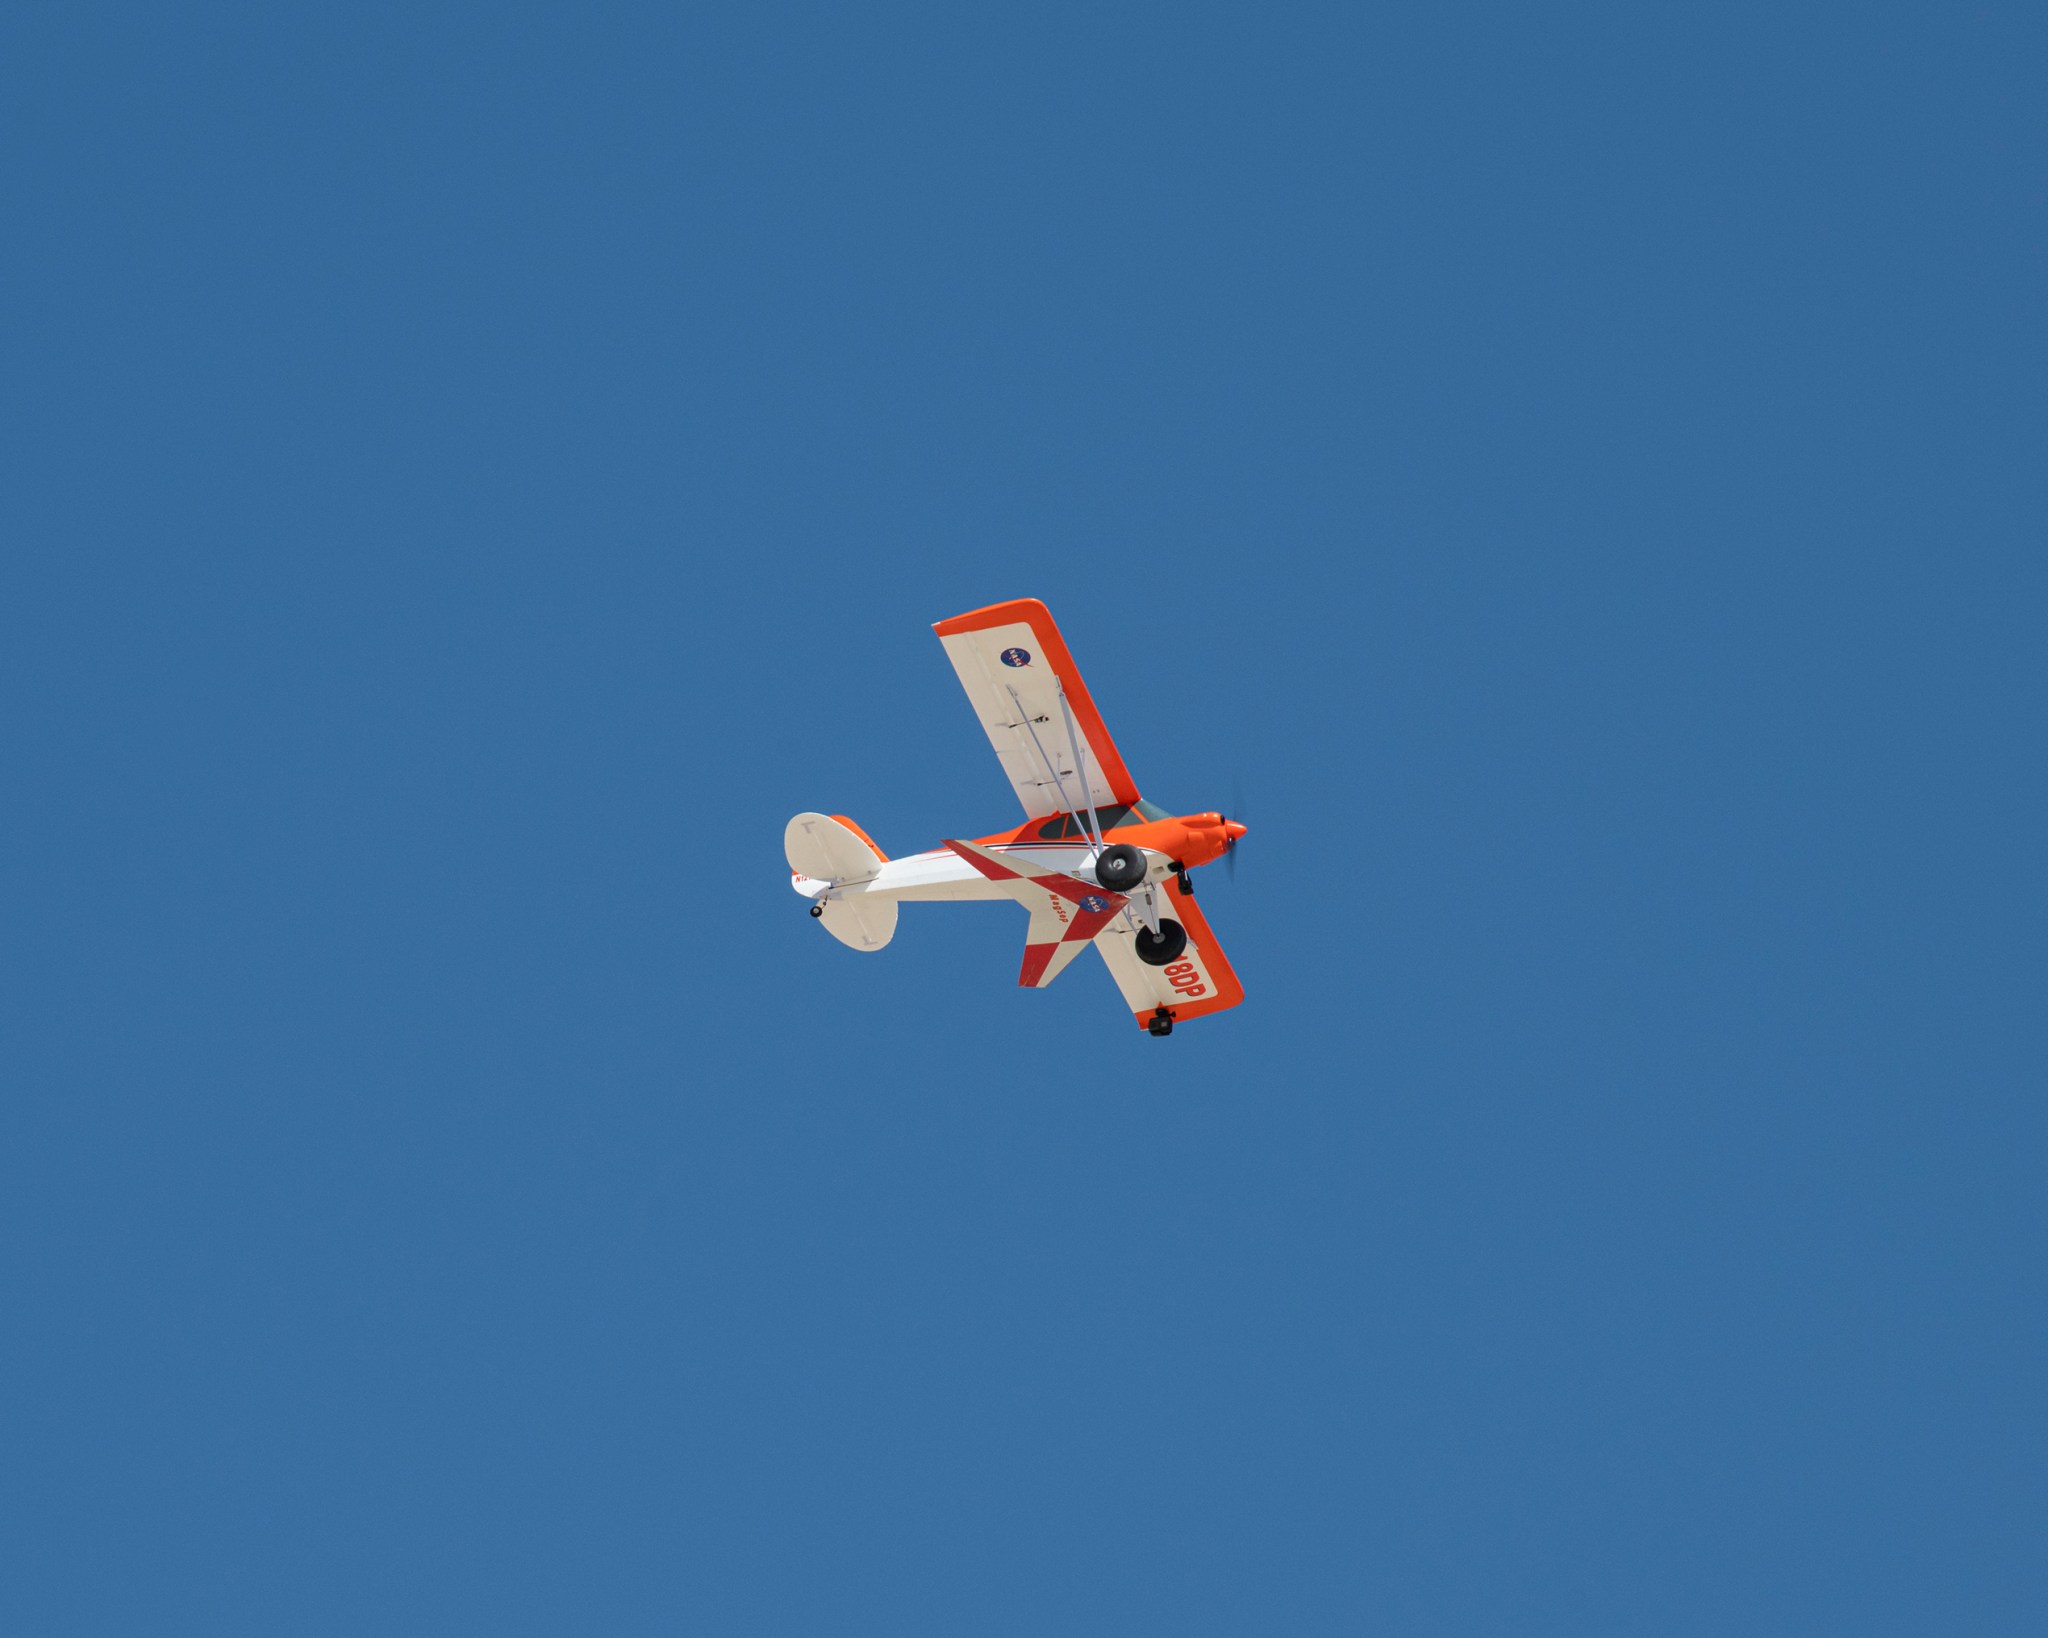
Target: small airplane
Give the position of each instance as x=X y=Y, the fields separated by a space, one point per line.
x=1094 y=862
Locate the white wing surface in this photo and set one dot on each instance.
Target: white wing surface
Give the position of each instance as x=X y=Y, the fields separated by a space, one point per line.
x=1200 y=981
x=1035 y=709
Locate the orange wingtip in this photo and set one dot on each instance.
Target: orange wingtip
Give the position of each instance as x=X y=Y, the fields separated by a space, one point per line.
x=996 y=614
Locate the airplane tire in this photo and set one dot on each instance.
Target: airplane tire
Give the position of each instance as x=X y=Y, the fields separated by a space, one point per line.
x=1120 y=868
x=1157 y=952
x=1159 y=1026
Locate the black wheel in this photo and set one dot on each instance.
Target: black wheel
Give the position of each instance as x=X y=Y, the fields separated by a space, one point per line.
x=1120 y=868
x=1157 y=952
x=1160 y=1025
x=817 y=909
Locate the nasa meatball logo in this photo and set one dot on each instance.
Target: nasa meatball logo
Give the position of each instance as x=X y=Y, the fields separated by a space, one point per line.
x=1095 y=903
x=1016 y=656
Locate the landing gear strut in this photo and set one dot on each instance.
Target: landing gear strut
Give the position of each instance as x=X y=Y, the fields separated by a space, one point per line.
x=1160 y=1023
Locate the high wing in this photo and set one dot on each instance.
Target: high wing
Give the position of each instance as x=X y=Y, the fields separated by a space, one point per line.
x=1200 y=981
x=1065 y=913
x=1019 y=676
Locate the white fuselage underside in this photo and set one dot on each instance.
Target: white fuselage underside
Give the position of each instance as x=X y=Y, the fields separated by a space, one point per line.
x=943 y=874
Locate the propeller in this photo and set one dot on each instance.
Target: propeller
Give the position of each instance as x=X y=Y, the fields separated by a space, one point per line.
x=1230 y=841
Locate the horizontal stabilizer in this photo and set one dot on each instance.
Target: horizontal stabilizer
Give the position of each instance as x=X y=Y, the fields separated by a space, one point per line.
x=831 y=861
x=830 y=850
x=859 y=921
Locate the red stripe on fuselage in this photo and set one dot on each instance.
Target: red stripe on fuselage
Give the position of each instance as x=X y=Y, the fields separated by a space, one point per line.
x=1066 y=886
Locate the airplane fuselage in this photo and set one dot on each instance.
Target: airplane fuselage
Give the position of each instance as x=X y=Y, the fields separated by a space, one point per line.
x=1171 y=844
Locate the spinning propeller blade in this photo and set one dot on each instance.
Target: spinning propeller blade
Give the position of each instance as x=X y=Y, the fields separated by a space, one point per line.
x=1230 y=845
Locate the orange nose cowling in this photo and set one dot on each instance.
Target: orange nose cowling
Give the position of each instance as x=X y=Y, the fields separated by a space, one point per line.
x=1233 y=829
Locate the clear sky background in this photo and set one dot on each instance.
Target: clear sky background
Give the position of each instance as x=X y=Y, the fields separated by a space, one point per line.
x=1572 y=479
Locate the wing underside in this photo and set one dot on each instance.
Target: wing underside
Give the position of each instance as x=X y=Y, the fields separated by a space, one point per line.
x=1035 y=709
x=1200 y=982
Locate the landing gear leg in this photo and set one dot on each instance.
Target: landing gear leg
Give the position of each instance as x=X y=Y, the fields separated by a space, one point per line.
x=1160 y=1023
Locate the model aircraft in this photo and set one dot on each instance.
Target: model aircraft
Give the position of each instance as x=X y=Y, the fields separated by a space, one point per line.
x=1094 y=862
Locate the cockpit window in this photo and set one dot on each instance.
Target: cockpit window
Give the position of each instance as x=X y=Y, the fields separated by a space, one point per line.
x=1065 y=827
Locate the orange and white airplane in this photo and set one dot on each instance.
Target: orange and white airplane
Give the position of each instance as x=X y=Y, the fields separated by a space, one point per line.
x=1094 y=862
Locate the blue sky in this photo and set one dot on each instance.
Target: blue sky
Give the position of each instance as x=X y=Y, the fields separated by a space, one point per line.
x=1575 y=478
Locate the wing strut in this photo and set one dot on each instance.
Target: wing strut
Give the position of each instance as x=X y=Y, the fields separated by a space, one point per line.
x=1084 y=815
x=1079 y=747
x=1091 y=826
x=1051 y=767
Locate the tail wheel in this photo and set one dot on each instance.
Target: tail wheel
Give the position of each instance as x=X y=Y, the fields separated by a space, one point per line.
x=1160 y=1023
x=1121 y=868
x=1157 y=951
